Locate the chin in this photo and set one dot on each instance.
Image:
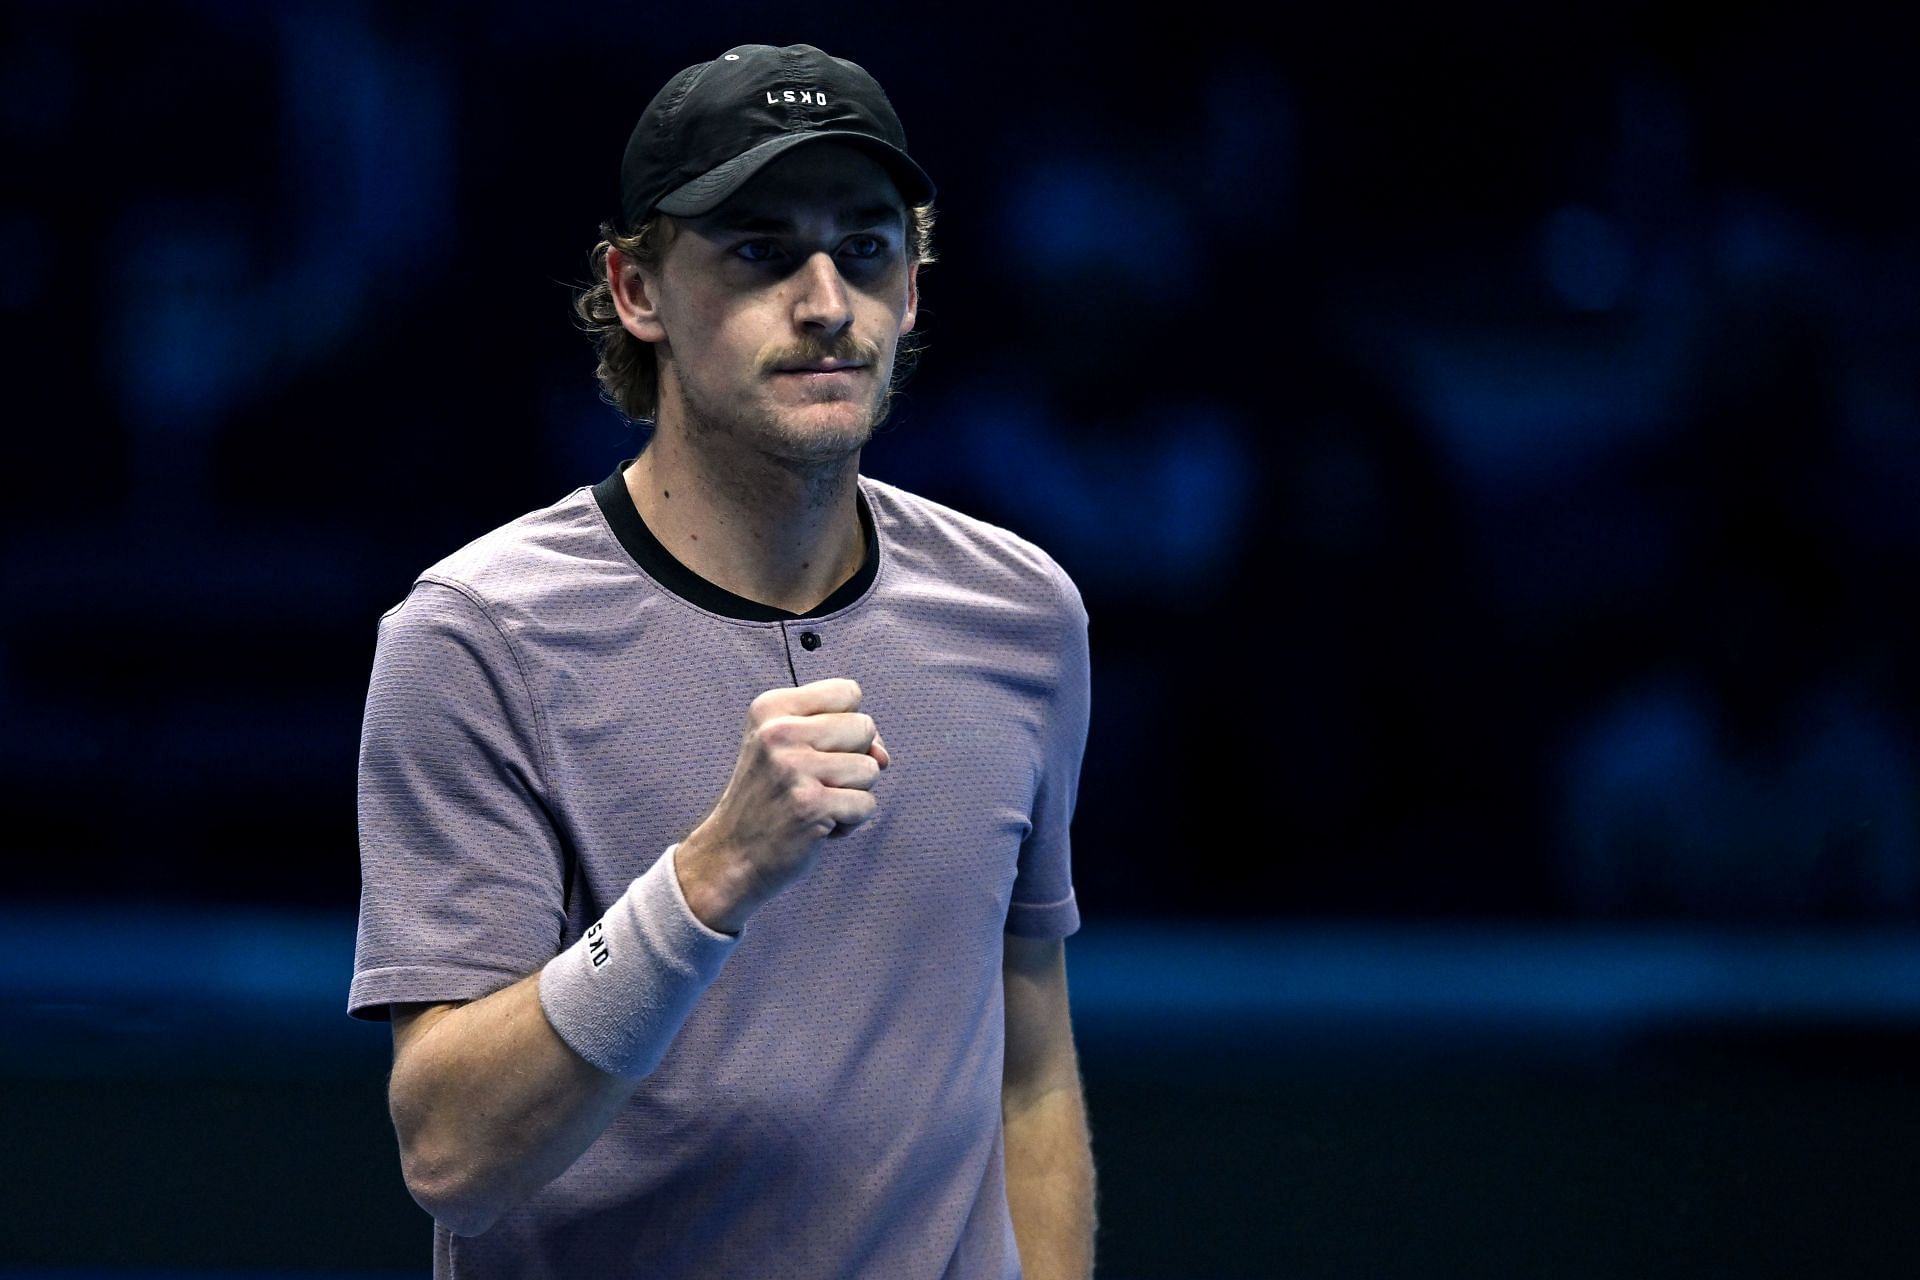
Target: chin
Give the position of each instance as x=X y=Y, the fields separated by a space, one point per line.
x=818 y=442
x=813 y=426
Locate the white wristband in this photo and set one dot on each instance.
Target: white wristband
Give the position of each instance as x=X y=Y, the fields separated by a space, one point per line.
x=619 y=995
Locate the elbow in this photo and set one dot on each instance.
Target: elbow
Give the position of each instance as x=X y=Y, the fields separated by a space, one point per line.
x=443 y=1177
x=453 y=1200
x=467 y=1220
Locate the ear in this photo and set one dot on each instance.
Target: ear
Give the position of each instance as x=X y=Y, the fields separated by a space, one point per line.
x=913 y=298
x=636 y=294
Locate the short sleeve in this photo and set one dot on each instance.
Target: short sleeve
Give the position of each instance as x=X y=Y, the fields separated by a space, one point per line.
x=1042 y=903
x=462 y=869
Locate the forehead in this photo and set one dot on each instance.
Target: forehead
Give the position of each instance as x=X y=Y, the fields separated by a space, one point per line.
x=820 y=176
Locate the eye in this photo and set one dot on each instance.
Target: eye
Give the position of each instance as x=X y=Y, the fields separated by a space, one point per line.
x=866 y=246
x=758 y=251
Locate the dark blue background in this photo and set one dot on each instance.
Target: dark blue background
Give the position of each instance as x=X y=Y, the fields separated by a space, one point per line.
x=1486 y=442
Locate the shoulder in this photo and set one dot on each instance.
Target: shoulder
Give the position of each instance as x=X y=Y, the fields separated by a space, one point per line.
x=934 y=542
x=508 y=571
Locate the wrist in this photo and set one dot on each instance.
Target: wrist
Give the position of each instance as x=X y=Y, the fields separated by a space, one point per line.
x=620 y=993
x=712 y=886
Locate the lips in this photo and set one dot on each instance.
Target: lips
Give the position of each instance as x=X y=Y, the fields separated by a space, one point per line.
x=824 y=366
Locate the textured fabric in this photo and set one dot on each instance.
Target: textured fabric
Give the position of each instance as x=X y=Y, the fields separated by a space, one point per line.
x=619 y=995
x=545 y=717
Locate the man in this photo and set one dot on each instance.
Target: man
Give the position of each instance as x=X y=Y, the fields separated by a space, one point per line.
x=648 y=1020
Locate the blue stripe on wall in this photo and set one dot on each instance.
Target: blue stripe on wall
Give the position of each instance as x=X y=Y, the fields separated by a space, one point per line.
x=293 y=969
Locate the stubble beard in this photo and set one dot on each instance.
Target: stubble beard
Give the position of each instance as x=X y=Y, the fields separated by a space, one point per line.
x=764 y=433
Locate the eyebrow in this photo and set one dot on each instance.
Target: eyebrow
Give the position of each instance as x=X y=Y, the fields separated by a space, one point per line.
x=845 y=219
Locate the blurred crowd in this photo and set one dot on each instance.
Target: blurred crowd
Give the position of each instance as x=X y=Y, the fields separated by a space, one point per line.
x=1487 y=446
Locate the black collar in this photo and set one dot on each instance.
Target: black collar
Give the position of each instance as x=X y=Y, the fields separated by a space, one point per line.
x=649 y=554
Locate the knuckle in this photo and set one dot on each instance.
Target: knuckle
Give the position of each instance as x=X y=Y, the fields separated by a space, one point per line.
x=754 y=752
x=772 y=764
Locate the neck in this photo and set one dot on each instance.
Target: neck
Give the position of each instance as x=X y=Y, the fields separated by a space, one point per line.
x=781 y=533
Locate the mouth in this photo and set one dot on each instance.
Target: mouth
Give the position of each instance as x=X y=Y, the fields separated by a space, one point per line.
x=823 y=369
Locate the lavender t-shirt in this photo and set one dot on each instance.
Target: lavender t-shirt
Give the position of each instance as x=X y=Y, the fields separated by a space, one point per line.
x=558 y=702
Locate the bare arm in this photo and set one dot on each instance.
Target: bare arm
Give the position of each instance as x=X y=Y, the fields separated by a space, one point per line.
x=1050 y=1178
x=490 y=1104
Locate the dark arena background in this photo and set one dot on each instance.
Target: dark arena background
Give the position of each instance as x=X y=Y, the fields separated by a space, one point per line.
x=1487 y=443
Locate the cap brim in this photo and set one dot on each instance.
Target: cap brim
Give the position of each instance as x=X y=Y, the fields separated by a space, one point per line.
x=706 y=192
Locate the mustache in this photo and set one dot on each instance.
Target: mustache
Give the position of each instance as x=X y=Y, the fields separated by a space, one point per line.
x=844 y=346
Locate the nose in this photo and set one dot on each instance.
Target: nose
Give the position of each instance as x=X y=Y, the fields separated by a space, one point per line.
x=820 y=300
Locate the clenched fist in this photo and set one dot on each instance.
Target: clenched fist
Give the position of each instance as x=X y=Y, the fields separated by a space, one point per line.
x=808 y=761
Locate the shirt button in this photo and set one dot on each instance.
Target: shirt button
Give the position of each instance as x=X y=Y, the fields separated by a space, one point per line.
x=810 y=639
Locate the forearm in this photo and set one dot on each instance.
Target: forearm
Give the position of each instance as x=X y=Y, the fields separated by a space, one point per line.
x=490 y=1105
x=1050 y=1184
x=495 y=1099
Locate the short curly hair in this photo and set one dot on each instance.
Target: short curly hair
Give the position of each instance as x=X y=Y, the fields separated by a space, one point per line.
x=628 y=373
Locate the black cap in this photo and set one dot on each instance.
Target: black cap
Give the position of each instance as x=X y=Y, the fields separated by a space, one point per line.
x=718 y=123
